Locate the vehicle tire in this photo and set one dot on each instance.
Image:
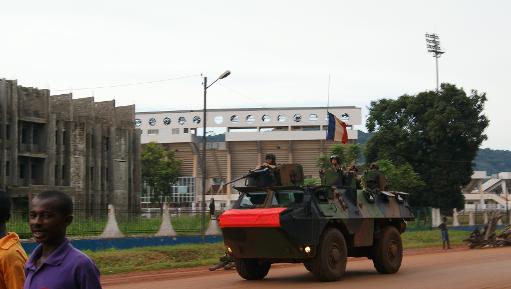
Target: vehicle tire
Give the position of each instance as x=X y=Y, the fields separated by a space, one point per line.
x=330 y=261
x=308 y=265
x=387 y=251
x=252 y=269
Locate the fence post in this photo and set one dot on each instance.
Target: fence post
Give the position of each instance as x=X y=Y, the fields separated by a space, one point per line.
x=111 y=229
x=213 y=229
x=455 y=221
x=471 y=219
x=166 y=228
x=435 y=217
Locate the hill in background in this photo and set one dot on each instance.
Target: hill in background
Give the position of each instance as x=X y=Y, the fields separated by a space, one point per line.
x=491 y=161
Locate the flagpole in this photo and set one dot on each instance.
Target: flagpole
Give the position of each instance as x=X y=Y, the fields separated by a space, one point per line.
x=328 y=94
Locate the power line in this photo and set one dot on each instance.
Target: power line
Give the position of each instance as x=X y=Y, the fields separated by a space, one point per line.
x=129 y=84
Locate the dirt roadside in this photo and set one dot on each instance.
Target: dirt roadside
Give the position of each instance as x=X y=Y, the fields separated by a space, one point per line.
x=135 y=277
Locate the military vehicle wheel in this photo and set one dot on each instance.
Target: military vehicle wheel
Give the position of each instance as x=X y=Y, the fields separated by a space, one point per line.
x=388 y=251
x=330 y=261
x=252 y=269
x=308 y=265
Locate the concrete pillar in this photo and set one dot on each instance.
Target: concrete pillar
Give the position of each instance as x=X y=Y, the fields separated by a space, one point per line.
x=499 y=222
x=213 y=228
x=471 y=219
x=112 y=229
x=436 y=219
x=485 y=216
x=455 y=221
x=51 y=150
x=229 y=174
x=166 y=228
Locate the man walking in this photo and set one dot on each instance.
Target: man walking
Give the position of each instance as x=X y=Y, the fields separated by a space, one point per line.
x=445 y=234
x=12 y=255
x=55 y=263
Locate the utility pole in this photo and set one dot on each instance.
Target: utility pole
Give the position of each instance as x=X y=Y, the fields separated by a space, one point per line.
x=433 y=45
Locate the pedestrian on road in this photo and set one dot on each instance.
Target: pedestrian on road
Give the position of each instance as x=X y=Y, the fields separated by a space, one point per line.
x=445 y=234
x=12 y=255
x=55 y=263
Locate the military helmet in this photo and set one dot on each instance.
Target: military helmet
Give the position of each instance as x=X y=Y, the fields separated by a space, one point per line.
x=270 y=156
x=336 y=157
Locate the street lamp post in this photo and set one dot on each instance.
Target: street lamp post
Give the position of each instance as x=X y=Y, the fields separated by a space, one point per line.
x=204 y=171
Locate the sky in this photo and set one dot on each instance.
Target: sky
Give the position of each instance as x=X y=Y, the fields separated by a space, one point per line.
x=280 y=53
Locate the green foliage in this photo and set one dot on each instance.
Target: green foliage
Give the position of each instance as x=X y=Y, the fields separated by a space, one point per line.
x=349 y=154
x=401 y=178
x=438 y=134
x=160 y=169
x=311 y=182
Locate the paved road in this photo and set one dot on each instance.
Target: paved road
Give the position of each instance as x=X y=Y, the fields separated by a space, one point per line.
x=485 y=268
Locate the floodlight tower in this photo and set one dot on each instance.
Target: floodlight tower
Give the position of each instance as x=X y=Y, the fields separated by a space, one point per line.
x=433 y=45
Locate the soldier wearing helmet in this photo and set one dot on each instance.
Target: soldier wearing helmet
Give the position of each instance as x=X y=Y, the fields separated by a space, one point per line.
x=333 y=175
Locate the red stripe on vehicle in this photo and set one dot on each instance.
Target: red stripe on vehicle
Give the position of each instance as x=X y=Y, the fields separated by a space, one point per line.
x=251 y=218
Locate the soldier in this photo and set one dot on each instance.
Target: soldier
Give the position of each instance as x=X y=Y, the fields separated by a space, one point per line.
x=351 y=182
x=270 y=162
x=333 y=175
x=374 y=179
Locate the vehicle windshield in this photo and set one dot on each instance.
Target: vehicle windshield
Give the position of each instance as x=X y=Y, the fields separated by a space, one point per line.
x=253 y=199
x=286 y=198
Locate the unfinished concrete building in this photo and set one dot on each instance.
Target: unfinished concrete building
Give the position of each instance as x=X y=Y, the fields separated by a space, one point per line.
x=90 y=150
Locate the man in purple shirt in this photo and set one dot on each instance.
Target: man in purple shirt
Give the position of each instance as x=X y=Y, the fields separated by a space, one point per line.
x=55 y=263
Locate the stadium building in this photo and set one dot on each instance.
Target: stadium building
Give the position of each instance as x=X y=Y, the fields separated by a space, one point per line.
x=293 y=134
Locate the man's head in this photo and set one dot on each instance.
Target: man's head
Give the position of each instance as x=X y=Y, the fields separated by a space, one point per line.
x=374 y=166
x=270 y=159
x=50 y=214
x=444 y=219
x=5 y=207
x=335 y=160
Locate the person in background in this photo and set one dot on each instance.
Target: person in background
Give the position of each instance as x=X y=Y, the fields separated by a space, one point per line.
x=334 y=174
x=445 y=234
x=55 y=263
x=12 y=255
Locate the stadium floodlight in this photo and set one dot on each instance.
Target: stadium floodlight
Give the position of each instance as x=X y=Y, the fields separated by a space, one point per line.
x=433 y=45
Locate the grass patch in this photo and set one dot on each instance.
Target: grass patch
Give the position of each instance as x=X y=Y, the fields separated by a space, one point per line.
x=155 y=258
x=431 y=238
x=185 y=256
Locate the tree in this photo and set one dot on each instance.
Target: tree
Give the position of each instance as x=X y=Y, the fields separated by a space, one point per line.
x=160 y=169
x=349 y=154
x=402 y=178
x=438 y=134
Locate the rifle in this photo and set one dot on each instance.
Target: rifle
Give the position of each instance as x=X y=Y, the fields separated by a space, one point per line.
x=251 y=173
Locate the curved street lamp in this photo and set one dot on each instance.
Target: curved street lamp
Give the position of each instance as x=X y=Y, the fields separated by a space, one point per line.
x=204 y=172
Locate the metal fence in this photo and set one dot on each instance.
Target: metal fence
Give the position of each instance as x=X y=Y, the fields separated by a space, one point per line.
x=184 y=221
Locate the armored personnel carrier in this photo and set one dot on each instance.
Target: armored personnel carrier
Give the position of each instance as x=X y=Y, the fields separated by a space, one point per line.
x=279 y=220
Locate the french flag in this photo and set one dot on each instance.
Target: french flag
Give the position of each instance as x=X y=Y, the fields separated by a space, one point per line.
x=336 y=129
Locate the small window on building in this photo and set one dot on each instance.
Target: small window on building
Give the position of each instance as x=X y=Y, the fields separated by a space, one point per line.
x=218 y=119
x=152 y=121
x=196 y=119
x=138 y=122
x=22 y=171
x=175 y=131
x=181 y=120
x=281 y=118
x=152 y=131
x=185 y=130
x=250 y=118
x=166 y=121
x=64 y=172
x=345 y=116
x=313 y=117
x=235 y=118
x=266 y=118
x=7 y=168
x=297 y=117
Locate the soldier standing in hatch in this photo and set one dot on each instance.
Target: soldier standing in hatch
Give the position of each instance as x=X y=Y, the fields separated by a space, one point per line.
x=333 y=175
x=270 y=162
x=374 y=179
